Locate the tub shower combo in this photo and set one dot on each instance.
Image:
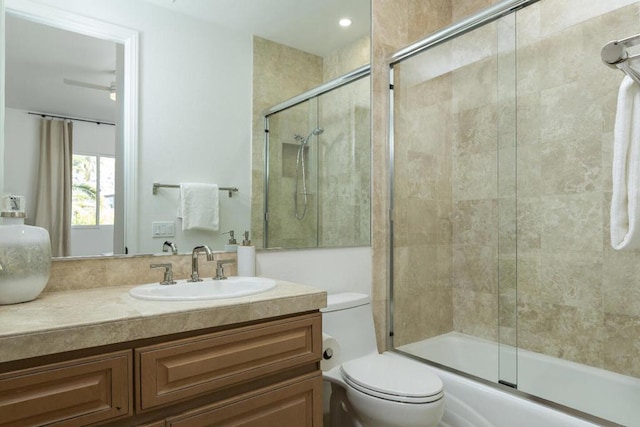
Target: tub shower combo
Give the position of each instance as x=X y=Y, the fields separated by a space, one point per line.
x=317 y=167
x=502 y=128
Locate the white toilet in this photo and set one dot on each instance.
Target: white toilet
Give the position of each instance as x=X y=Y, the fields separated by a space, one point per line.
x=369 y=389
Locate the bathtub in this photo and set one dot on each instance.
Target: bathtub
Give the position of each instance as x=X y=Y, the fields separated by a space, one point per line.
x=470 y=403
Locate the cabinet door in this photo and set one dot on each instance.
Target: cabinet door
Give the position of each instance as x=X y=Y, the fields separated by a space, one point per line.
x=192 y=367
x=289 y=404
x=77 y=392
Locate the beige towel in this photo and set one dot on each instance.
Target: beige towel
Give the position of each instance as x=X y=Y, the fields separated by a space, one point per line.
x=198 y=206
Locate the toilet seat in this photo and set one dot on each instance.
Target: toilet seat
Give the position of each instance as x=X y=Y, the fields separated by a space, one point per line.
x=393 y=378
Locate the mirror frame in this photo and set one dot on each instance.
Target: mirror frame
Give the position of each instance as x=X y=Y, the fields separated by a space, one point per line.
x=129 y=38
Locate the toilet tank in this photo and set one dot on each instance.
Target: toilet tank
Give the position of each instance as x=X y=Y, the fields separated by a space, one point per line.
x=348 y=318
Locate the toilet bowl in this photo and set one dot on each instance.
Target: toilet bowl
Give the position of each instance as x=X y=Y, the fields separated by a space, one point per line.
x=371 y=389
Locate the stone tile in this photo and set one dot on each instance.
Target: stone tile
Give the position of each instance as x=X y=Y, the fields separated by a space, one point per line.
x=565 y=332
x=474 y=222
x=622 y=344
x=571 y=279
x=621 y=283
x=474 y=85
x=572 y=222
x=464 y=8
x=529 y=223
x=422 y=318
x=475 y=130
x=476 y=313
x=571 y=113
x=571 y=165
x=476 y=268
x=475 y=176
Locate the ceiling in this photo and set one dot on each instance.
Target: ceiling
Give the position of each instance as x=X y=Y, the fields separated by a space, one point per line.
x=38 y=57
x=307 y=25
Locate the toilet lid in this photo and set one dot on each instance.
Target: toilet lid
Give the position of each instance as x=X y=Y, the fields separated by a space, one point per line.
x=393 y=377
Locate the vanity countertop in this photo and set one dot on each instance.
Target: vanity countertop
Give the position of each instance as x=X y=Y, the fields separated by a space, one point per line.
x=70 y=320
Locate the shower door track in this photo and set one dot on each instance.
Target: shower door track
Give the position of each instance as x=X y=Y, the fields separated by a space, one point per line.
x=343 y=80
x=478 y=20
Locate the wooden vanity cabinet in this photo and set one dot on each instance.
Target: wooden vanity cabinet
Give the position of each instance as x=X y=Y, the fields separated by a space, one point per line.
x=73 y=393
x=182 y=369
x=263 y=374
x=295 y=403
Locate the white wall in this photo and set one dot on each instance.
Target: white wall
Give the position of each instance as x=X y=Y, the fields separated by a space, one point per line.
x=334 y=270
x=194 y=112
x=21 y=133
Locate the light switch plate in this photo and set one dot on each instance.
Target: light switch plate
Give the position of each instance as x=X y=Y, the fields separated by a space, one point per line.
x=163 y=229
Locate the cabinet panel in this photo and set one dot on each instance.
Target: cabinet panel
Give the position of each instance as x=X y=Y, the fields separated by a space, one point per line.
x=80 y=392
x=289 y=404
x=186 y=368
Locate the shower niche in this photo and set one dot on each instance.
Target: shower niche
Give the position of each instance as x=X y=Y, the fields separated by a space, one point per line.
x=318 y=167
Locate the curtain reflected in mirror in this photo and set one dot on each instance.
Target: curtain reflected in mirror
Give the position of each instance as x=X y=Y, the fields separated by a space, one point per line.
x=53 y=200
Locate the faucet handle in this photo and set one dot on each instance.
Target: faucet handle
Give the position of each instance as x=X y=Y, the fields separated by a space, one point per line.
x=220 y=268
x=168 y=273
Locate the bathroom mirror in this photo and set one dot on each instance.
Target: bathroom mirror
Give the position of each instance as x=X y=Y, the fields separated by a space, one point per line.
x=195 y=98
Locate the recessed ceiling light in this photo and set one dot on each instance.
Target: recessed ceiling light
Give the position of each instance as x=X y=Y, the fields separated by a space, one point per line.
x=345 y=22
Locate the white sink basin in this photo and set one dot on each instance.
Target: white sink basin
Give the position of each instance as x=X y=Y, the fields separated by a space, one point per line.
x=232 y=287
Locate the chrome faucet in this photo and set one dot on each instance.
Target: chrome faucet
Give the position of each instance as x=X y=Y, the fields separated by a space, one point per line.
x=195 y=277
x=173 y=246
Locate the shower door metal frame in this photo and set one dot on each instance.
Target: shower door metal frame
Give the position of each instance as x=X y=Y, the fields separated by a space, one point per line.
x=471 y=23
x=324 y=88
x=485 y=16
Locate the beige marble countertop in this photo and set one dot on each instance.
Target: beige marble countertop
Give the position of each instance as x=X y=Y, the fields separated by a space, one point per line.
x=72 y=320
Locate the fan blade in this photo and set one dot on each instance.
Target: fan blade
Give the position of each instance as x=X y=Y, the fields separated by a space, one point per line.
x=87 y=85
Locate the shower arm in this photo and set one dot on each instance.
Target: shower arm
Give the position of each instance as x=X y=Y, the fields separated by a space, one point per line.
x=615 y=55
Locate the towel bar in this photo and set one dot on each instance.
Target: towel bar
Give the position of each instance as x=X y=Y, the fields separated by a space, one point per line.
x=157 y=185
x=615 y=55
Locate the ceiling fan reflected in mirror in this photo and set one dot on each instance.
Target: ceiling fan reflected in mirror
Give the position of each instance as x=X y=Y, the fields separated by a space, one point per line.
x=111 y=88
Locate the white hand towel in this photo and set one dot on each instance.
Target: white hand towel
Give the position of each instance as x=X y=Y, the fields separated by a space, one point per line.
x=625 y=200
x=198 y=206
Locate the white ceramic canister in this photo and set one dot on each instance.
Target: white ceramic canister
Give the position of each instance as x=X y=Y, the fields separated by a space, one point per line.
x=25 y=259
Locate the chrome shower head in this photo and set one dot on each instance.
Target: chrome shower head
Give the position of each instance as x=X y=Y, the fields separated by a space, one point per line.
x=315 y=132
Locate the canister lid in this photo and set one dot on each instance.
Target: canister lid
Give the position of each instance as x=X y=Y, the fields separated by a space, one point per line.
x=13 y=214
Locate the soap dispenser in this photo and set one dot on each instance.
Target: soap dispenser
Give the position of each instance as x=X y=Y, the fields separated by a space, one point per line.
x=232 y=246
x=246 y=257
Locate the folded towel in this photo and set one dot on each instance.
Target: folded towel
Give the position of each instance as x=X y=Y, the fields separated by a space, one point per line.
x=198 y=206
x=625 y=200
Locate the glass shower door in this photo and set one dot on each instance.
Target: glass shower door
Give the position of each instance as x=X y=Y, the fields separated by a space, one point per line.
x=292 y=178
x=454 y=203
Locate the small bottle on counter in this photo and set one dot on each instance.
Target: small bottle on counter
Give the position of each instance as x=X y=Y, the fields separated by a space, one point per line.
x=232 y=245
x=246 y=257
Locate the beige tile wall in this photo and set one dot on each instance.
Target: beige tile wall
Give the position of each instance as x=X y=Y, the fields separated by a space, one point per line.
x=280 y=73
x=576 y=298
